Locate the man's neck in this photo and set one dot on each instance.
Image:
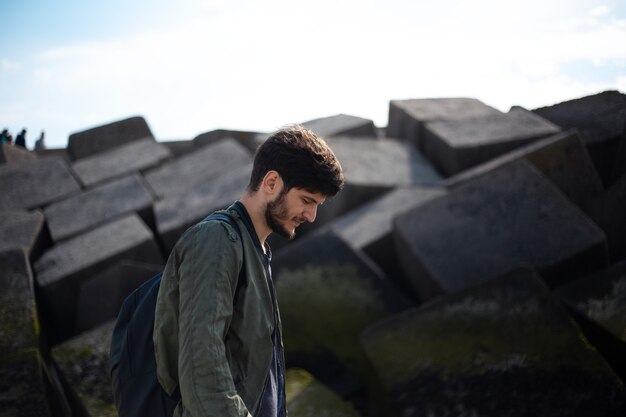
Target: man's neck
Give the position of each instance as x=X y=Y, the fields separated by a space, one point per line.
x=256 y=210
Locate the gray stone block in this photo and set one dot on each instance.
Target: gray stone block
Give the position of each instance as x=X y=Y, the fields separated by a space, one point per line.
x=14 y=154
x=35 y=183
x=512 y=217
x=619 y=168
x=62 y=269
x=22 y=229
x=306 y=397
x=342 y=125
x=84 y=364
x=608 y=212
x=100 y=297
x=99 y=205
x=101 y=138
x=562 y=158
x=203 y=166
x=503 y=348
x=600 y=118
x=246 y=138
x=598 y=302
x=179 y=148
x=125 y=159
x=407 y=117
x=455 y=145
x=177 y=212
x=328 y=294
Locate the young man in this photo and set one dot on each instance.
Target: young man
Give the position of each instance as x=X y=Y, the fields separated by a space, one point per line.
x=217 y=332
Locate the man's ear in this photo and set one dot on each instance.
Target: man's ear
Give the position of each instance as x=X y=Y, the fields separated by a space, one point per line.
x=272 y=182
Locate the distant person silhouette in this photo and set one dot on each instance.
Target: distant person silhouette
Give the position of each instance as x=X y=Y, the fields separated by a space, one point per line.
x=20 y=140
x=4 y=136
x=39 y=143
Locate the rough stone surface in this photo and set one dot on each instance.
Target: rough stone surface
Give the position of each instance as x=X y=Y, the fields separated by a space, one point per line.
x=177 y=212
x=562 y=158
x=505 y=348
x=306 y=397
x=128 y=158
x=455 y=145
x=14 y=154
x=22 y=229
x=407 y=117
x=509 y=218
x=245 y=138
x=84 y=363
x=619 y=168
x=62 y=269
x=100 y=297
x=600 y=118
x=342 y=125
x=35 y=183
x=328 y=294
x=608 y=212
x=97 y=206
x=203 y=166
x=105 y=137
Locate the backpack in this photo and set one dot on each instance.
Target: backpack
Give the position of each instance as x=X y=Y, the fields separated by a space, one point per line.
x=136 y=389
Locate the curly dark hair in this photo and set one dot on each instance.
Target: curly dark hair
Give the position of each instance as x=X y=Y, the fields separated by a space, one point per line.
x=303 y=160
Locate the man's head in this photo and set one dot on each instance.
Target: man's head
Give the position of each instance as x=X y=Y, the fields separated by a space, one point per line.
x=297 y=171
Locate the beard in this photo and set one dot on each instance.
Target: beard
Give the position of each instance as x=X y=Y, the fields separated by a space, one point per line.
x=276 y=213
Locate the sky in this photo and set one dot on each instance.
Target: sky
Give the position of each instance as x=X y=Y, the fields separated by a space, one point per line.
x=192 y=66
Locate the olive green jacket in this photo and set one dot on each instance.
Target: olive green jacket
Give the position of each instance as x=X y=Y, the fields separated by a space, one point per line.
x=217 y=348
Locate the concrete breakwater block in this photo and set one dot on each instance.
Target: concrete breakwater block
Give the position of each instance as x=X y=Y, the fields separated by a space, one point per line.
x=177 y=212
x=101 y=138
x=246 y=138
x=204 y=165
x=455 y=145
x=306 y=397
x=502 y=348
x=600 y=118
x=61 y=270
x=122 y=160
x=407 y=117
x=512 y=217
x=342 y=125
x=99 y=205
x=327 y=295
x=84 y=365
x=608 y=212
x=100 y=297
x=562 y=158
x=22 y=229
x=35 y=183
x=598 y=302
x=11 y=154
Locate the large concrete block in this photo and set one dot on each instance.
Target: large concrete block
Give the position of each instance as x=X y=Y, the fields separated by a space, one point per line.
x=619 y=168
x=504 y=348
x=608 y=212
x=125 y=159
x=14 y=154
x=455 y=145
x=99 y=205
x=512 y=217
x=62 y=269
x=327 y=295
x=598 y=302
x=84 y=364
x=342 y=125
x=245 y=138
x=100 y=297
x=35 y=183
x=407 y=117
x=101 y=138
x=202 y=166
x=562 y=158
x=600 y=118
x=306 y=397
x=177 y=212
x=23 y=229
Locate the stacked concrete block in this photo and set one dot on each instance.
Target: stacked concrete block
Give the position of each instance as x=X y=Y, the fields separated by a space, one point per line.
x=203 y=166
x=99 y=205
x=123 y=160
x=14 y=154
x=306 y=397
x=342 y=125
x=23 y=229
x=600 y=118
x=61 y=270
x=84 y=364
x=608 y=212
x=35 y=183
x=407 y=117
x=503 y=348
x=511 y=217
x=328 y=294
x=246 y=138
x=455 y=145
x=562 y=158
x=178 y=211
x=98 y=139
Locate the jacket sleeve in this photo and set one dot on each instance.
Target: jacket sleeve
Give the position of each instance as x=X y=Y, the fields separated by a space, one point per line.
x=210 y=259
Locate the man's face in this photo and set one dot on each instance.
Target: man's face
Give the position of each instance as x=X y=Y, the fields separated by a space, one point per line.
x=292 y=208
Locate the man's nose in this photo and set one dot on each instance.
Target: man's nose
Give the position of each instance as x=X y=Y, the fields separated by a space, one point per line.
x=310 y=213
